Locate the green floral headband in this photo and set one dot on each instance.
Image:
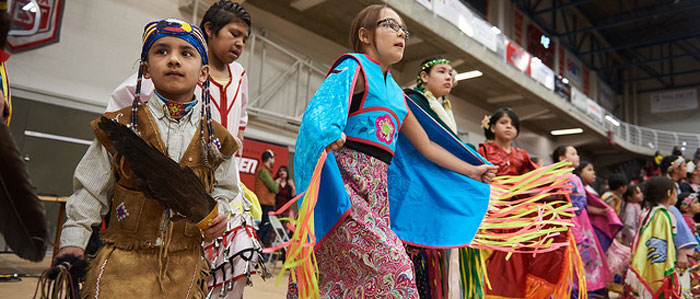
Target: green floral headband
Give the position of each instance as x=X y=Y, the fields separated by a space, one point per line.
x=427 y=65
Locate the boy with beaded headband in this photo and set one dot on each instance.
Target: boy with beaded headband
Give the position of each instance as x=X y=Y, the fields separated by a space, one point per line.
x=145 y=252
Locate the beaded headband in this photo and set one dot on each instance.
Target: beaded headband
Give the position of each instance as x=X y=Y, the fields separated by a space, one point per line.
x=427 y=65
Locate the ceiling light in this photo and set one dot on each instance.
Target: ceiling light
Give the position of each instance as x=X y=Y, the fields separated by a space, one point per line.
x=496 y=30
x=567 y=131
x=468 y=75
x=612 y=120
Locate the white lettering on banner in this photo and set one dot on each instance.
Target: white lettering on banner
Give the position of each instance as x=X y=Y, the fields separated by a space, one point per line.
x=247 y=165
x=677 y=100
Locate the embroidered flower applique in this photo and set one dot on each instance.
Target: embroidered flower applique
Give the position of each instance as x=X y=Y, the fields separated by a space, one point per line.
x=385 y=129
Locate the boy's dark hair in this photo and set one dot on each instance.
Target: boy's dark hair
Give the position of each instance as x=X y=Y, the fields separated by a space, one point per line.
x=266 y=155
x=631 y=191
x=617 y=180
x=656 y=190
x=581 y=166
x=496 y=116
x=560 y=151
x=222 y=13
x=682 y=197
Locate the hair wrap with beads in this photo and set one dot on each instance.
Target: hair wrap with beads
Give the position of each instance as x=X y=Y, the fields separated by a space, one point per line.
x=428 y=65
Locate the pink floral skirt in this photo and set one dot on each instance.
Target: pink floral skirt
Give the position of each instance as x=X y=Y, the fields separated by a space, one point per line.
x=362 y=257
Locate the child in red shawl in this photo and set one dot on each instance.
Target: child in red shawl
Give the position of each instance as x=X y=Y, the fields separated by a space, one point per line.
x=522 y=275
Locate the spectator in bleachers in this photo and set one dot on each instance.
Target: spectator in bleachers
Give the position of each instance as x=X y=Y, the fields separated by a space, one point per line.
x=617 y=185
x=677 y=151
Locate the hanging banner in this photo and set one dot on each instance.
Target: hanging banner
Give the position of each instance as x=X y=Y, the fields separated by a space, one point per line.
x=484 y=34
x=251 y=159
x=586 y=81
x=677 y=100
x=578 y=99
x=594 y=110
x=541 y=73
x=518 y=57
x=49 y=26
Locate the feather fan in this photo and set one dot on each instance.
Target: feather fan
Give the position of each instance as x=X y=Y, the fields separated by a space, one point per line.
x=160 y=178
x=22 y=215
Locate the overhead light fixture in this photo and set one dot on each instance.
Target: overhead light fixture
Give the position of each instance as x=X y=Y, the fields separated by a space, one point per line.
x=31 y=7
x=468 y=75
x=496 y=30
x=612 y=120
x=567 y=131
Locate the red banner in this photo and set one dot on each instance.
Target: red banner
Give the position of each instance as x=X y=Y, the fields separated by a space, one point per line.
x=49 y=25
x=518 y=57
x=251 y=160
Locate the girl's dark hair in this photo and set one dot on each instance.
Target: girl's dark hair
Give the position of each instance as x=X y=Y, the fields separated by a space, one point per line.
x=631 y=191
x=366 y=18
x=656 y=190
x=280 y=170
x=496 y=116
x=222 y=13
x=581 y=166
x=560 y=151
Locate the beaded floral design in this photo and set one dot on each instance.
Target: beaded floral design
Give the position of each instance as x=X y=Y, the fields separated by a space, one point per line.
x=385 y=128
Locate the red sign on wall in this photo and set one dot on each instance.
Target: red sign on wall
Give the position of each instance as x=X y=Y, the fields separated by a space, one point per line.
x=518 y=57
x=251 y=159
x=49 y=24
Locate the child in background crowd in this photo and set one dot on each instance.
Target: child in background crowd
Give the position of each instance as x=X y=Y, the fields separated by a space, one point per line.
x=633 y=211
x=617 y=185
x=652 y=272
x=688 y=205
x=604 y=219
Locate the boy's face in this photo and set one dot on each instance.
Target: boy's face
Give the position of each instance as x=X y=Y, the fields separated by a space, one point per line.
x=175 y=67
x=227 y=45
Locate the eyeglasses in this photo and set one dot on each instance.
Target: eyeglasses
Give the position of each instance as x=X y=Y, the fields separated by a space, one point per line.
x=393 y=25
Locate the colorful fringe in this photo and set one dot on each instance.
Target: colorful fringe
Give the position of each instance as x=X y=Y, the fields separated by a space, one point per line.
x=517 y=220
x=527 y=234
x=472 y=272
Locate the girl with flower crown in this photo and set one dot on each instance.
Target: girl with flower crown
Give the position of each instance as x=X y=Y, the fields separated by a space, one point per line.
x=524 y=275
